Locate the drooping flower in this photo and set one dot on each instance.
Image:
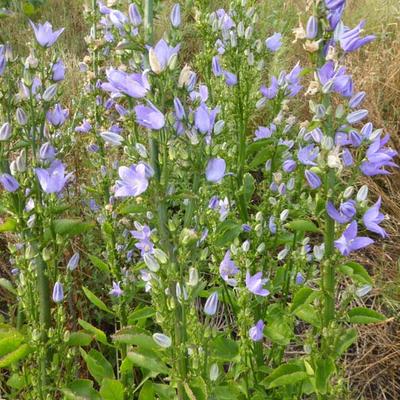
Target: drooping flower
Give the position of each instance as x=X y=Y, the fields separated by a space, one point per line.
x=53 y=179
x=256 y=332
x=58 y=292
x=347 y=211
x=133 y=181
x=44 y=34
x=133 y=85
x=349 y=241
x=47 y=152
x=210 y=308
x=373 y=217
x=58 y=71
x=215 y=170
x=149 y=117
x=227 y=268
x=57 y=116
x=255 y=284
x=274 y=42
x=116 y=290
x=9 y=183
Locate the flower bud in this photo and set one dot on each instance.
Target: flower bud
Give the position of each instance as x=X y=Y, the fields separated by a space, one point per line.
x=162 y=340
x=193 y=276
x=73 y=261
x=214 y=372
x=50 y=92
x=362 y=193
x=58 y=292
x=210 y=308
x=22 y=119
x=5 y=132
x=175 y=16
x=151 y=262
x=312 y=27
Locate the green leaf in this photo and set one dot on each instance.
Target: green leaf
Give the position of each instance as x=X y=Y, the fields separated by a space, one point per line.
x=197 y=390
x=130 y=207
x=111 y=389
x=97 y=333
x=71 y=227
x=286 y=374
x=226 y=393
x=303 y=296
x=81 y=389
x=16 y=381
x=9 y=225
x=101 y=265
x=307 y=313
x=149 y=363
x=345 y=340
x=16 y=355
x=227 y=232
x=79 y=339
x=11 y=342
x=225 y=349
x=357 y=272
x=363 y=315
x=323 y=371
x=141 y=313
x=248 y=187
x=301 y=225
x=98 y=365
x=147 y=392
x=6 y=284
x=166 y=392
x=135 y=336
x=96 y=301
x=279 y=332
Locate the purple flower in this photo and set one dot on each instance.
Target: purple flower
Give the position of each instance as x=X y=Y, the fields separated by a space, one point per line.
x=213 y=203
x=255 y=284
x=58 y=292
x=73 y=261
x=272 y=225
x=350 y=40
x=44 y=33
x=58 y=71
x=5 y=131
x=143 y=234
x=210 y=308
x=85 y=127
x=215 y=170
x=337 y=78
x=179 y=110
x=216 y=67
x=313 y=179
x=228 y=268
x=373 y=217
x=299 y=278
x=308 y=154
x=356 y=116
x=53 y=179
x=312 y=27
x=349 y=241
x=357 y=99
x=175 y=16
x=149 y=117
x=256 y=332
x=273 y=43
x=289 y=165
x=271 y=91
x=133 y=181
x=47 y=152
x=134 y=15
x=230 y=78
x=132 y=85
x=116 y=290
x=57 y=116
x=9 y=183
x=3 y=59
x=347 y=211
x=264 y=132
x=204 y=118
x=161 y=55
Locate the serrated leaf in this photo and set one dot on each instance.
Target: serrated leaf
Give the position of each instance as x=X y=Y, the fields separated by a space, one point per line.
x=363 y=315
x=345 y=340
x=79 y=339
x=357 y=272
x=323 y=371
x=16 y=355
x=227 y=232
x=81 y=389
x=98 y=365
x=308 y=314
x=147 y=391
x=141 y=313
x=303 y=296
x=9 y=225
x=149 y=363
x=96 y=301
x=224 y=349
x=71 y=227
x=134 y=336
x=286 y=374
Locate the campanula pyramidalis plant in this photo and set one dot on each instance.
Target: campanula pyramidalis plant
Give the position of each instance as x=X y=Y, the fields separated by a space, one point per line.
x=186 y=227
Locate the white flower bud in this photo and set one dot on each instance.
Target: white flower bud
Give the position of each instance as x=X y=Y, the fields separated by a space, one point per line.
x=214 y=372
x=362 y=193
x=162 y=340
x=348 y=192
x=151 y=262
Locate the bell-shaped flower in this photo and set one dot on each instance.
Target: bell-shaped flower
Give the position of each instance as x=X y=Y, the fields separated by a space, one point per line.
x=204 y=118
x=149 y=117
x=227 y=269
x=215 y=170
x=350 y=40
x=45 y=35
x=255 y=284
x=161 y=55
x=53 y=179
x=373 y=217
x=120 y=82
x=73 y=261
x=58 y=71
x=57 y=116
x=349 y=241
x=274 y=42
x=134 y=15
x=256 y=332
x=271 y=91
x=133 y=181
x=346 y=212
